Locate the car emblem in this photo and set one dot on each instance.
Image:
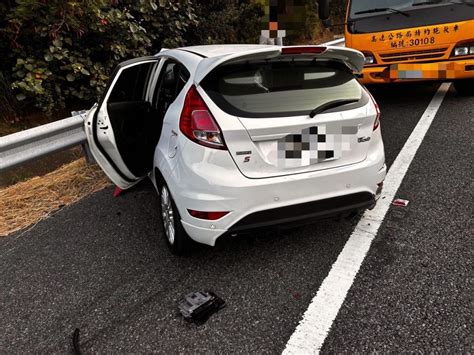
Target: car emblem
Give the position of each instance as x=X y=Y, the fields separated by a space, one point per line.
x=245 y=152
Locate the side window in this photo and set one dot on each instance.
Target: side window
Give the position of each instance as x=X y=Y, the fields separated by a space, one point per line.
x=172 y=80
x=132 y=83
x=183 y=78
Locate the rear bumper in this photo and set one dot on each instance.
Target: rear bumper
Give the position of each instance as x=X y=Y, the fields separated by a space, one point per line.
x=405 y=72
x=305 y=212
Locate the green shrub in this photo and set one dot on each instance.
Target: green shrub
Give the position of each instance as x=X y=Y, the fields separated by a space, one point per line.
x=226 y=21
x=63 y=51
x=7 y=101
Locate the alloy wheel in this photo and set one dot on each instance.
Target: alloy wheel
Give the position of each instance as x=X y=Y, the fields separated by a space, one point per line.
x=167 y=214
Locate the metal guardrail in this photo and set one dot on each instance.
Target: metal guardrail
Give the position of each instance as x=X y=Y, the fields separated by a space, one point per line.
x=34 y=143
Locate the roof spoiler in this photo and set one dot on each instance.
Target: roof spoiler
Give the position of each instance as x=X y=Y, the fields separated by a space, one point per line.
x=350 y=57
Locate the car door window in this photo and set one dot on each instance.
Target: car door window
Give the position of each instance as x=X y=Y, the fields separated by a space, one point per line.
x=132 y=83
x=183 y=78
x=172 y=80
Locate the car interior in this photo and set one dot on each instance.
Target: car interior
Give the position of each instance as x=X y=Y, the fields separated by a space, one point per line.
x=137 y=106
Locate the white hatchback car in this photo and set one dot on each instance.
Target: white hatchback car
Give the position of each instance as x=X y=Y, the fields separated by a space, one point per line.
x=239 y=137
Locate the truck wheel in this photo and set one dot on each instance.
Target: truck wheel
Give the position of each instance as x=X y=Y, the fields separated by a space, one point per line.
x=176 y=237
x=464 y=87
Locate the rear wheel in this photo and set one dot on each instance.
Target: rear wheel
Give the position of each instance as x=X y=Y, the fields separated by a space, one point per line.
x=464 y=87
x=178 y=240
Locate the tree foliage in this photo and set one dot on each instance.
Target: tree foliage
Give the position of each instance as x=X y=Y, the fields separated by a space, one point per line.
x=64 y=50
x=226 y=21
x=60 y=51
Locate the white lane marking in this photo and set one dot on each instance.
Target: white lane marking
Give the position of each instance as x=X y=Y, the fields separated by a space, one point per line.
x=309 y=336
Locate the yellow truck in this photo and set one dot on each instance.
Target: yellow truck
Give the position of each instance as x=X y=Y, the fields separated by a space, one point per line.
x=413 y=40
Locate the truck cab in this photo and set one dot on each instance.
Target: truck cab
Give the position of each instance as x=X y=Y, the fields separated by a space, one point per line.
x=413 y=40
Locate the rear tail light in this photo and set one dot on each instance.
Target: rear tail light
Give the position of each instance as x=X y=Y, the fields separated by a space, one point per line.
x=377 y=109
x=210 y=216
x=196 y=122
x=302 y=50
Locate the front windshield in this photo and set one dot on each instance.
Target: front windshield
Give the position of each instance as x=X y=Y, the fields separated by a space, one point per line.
x=364 y=8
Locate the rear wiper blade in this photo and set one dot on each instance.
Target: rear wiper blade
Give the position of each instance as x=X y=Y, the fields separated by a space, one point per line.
x=424 y=3
x=432 y=3
x=331 y=104
x=381 y=9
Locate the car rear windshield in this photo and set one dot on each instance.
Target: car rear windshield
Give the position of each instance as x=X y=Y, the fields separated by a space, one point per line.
x=279 y=88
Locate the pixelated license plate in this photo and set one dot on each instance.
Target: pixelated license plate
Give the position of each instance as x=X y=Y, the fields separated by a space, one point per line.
x=424 y=71
x=315 y=145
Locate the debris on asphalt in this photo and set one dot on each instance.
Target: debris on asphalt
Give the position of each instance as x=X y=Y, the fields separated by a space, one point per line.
x=117 y=191
x=75 y=342
x=198 y=306
x=400 y=202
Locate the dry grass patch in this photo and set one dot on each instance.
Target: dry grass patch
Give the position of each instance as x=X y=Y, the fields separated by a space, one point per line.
x=30 y=201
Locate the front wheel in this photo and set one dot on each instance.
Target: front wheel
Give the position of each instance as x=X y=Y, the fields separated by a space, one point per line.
x=464 y=87
x=177 y=239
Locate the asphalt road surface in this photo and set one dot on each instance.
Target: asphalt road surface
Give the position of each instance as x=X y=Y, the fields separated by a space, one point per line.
x=101 y=265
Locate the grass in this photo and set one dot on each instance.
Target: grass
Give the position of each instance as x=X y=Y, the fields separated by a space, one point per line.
x=28 y=202
x=39 y=167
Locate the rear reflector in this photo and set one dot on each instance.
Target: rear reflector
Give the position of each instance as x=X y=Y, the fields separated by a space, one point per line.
x=211 y=216
x=302 y=50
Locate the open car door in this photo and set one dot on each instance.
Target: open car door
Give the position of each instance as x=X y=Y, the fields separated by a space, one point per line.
x=122 y=129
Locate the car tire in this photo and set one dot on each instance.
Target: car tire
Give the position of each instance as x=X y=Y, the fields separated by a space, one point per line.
x=176 y=237
x=464 y=87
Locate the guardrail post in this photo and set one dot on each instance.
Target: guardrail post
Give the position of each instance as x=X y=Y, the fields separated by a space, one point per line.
x=85 y=147
x=87 y=153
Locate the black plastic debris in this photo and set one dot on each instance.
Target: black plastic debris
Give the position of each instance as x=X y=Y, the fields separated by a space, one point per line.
x=75 y=342
x=199 y=306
